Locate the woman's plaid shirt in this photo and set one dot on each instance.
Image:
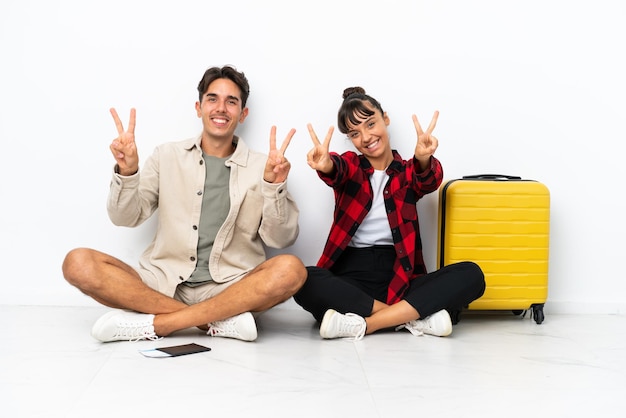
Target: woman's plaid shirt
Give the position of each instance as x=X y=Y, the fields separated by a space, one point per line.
x=353 y=199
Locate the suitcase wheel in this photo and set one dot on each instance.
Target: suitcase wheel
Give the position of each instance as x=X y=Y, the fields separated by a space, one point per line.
x=537 y=311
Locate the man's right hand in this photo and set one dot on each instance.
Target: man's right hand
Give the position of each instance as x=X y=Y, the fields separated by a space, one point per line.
x=123 y=147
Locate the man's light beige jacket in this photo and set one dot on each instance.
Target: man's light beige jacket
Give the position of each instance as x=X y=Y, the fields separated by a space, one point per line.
x=172 y=181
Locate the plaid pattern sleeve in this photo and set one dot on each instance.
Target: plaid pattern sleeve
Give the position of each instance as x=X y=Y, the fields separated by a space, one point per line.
x=353 y=199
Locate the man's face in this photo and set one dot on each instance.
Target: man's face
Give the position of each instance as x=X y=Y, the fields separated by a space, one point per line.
x=221 y=109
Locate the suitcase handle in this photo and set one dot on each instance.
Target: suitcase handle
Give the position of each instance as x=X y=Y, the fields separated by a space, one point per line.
x=491 y=177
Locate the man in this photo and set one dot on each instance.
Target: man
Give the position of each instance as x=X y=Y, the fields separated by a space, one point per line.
x=219 y=204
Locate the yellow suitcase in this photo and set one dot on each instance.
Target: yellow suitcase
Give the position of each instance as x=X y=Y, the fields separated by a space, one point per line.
x=502 y=223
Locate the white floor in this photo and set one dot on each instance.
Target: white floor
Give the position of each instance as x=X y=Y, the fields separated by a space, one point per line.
x=493 y=365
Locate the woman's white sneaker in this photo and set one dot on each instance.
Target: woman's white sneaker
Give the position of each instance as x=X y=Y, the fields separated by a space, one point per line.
x=336 y=325
x=438 y=324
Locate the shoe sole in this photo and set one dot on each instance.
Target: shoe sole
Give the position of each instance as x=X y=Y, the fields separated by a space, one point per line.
x=325 y=321
x=97 y=327
x=445 y=324
x=253 y=332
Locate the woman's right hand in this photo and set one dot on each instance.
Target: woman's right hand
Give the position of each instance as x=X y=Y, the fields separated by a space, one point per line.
x=319 y=157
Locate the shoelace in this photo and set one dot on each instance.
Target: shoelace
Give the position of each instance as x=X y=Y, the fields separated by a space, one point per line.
x=412 y=327
x=136 y=332
x=225 y=328
x=146 y=336
x=354 y=325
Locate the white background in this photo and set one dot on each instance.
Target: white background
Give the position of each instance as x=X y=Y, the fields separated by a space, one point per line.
x=529 y=88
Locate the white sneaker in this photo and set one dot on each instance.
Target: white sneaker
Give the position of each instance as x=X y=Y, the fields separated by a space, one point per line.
x=438 y=324
x=241 y=327
x=121 y=325
x=336 y=325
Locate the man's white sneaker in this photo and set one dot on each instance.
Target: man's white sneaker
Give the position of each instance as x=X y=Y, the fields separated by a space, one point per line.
x=336 y=325
x=438 y=324
x=241 y=327
x=121 y=325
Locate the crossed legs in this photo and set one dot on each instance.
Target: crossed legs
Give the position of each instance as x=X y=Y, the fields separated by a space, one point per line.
x=354 y=296
x=115 y=284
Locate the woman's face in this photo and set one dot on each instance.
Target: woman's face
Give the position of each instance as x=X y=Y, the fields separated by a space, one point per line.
x=371 y=139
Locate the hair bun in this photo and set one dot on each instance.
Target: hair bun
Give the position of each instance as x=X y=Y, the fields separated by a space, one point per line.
x=353 y=90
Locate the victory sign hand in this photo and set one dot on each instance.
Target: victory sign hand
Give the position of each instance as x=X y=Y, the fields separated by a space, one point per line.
x=123 y=147
x=277 y=166
x=319 y=157
x=426 y=142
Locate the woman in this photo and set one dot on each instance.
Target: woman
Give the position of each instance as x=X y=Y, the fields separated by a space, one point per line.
x=371 y=275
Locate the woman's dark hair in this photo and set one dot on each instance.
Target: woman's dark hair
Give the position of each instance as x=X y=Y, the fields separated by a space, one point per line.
x=228 y=72
x=354 y=108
